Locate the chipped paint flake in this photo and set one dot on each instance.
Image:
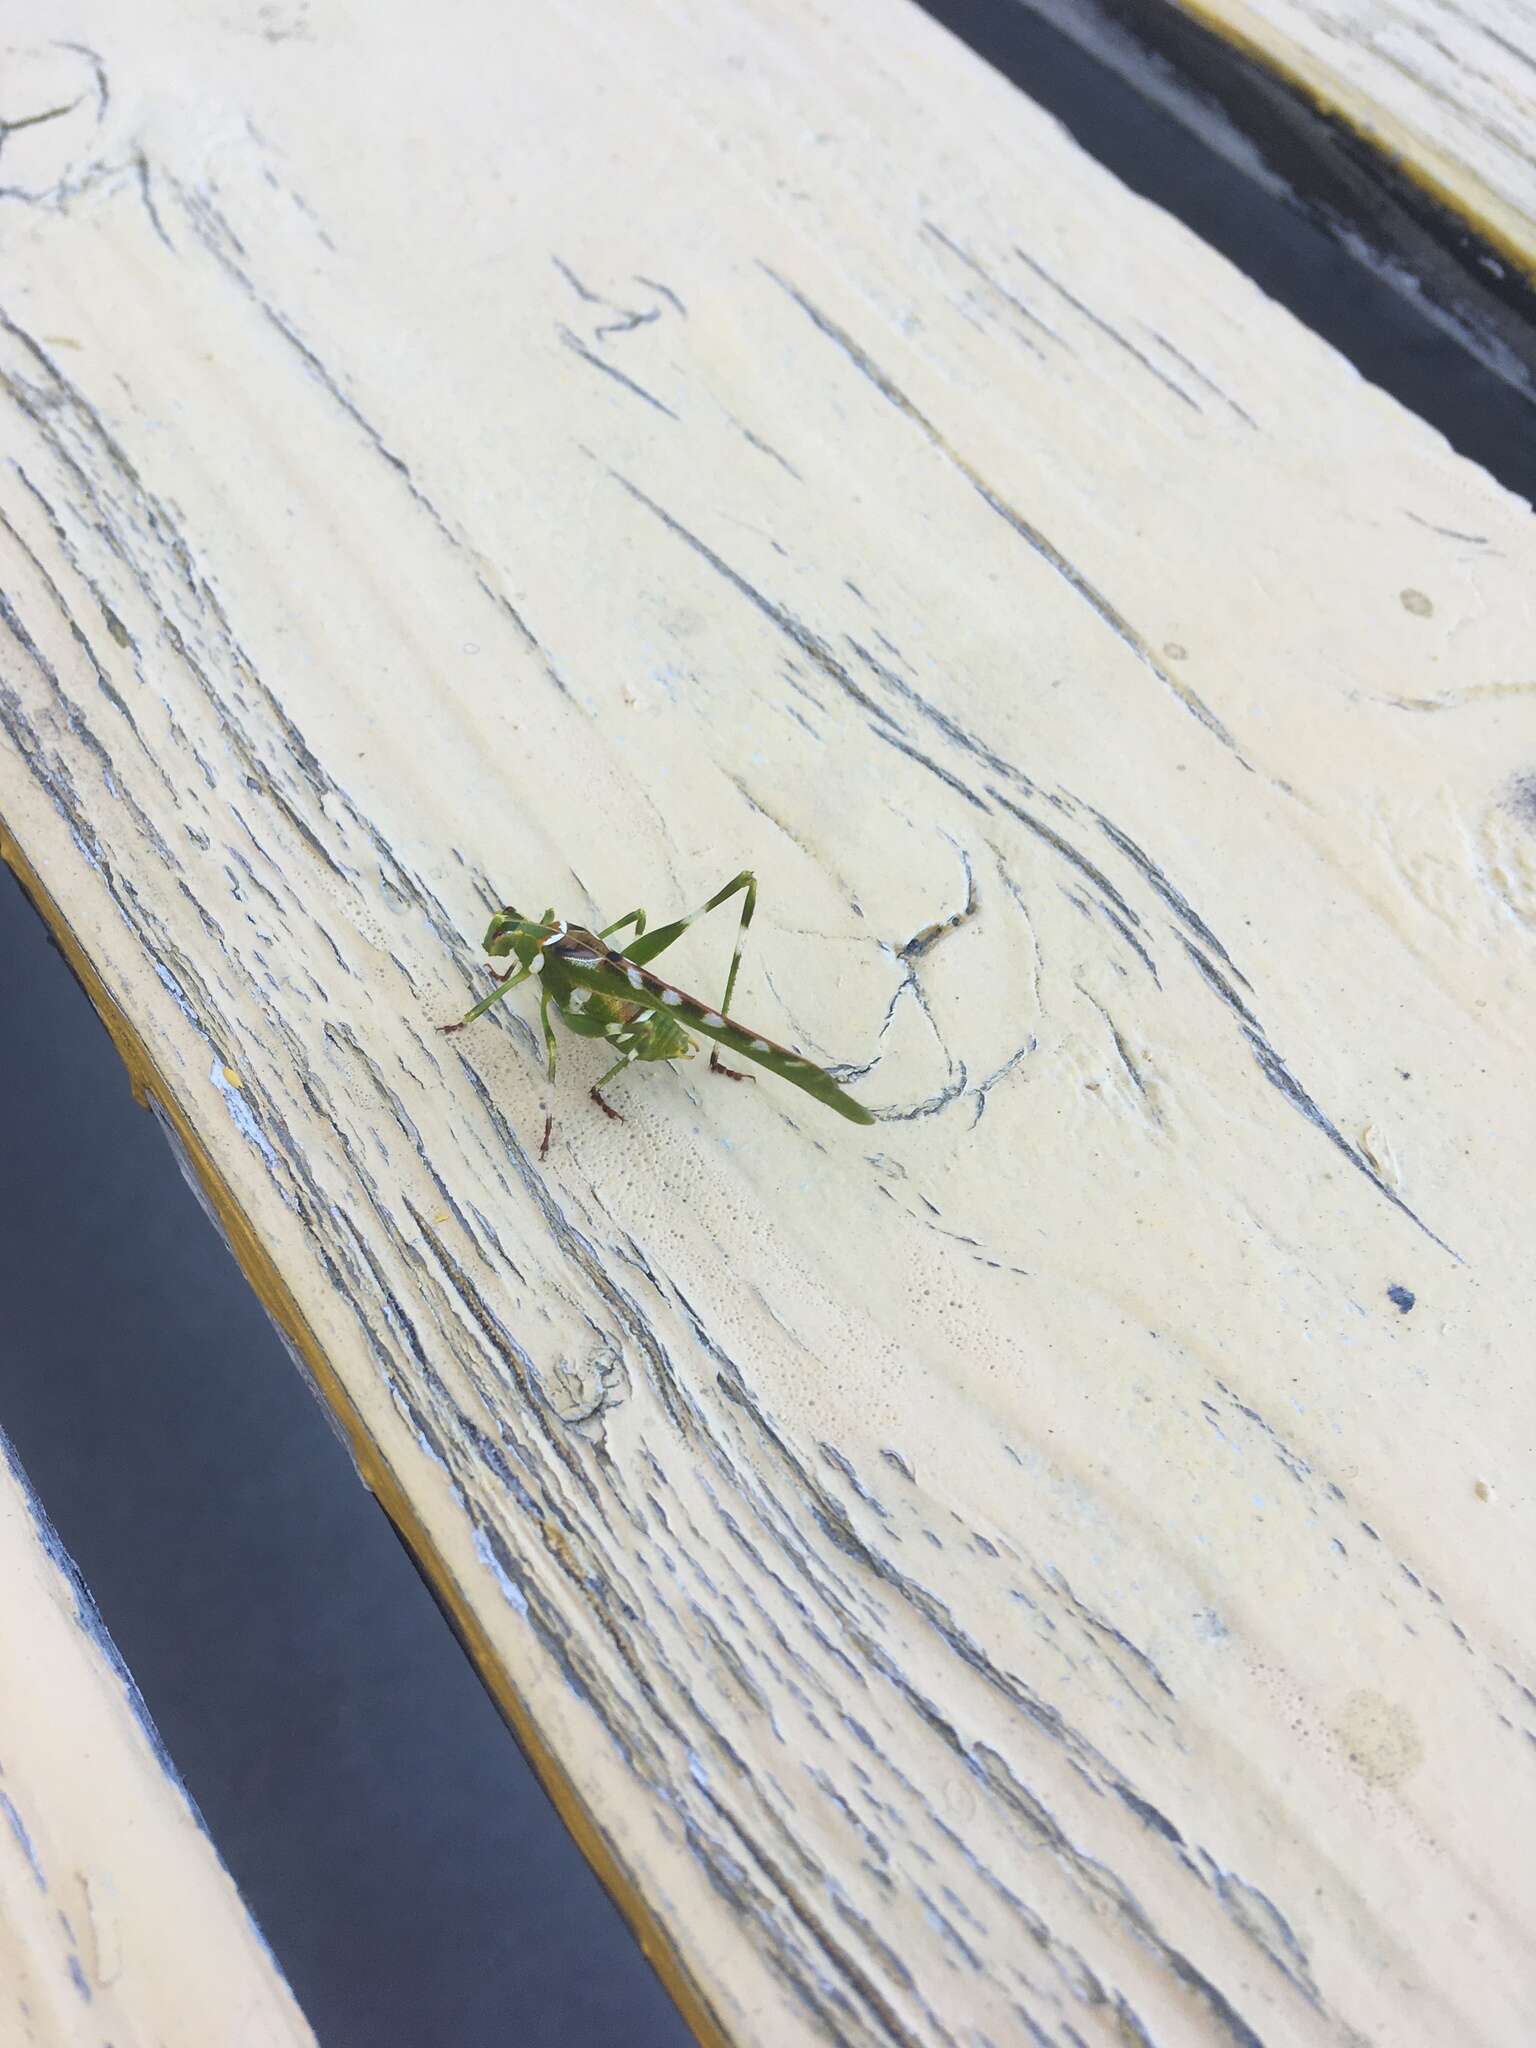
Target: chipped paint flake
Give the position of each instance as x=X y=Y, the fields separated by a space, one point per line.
x=240 y=1113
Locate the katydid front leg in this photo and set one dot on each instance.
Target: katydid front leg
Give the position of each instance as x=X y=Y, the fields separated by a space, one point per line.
x=509 y=979
x=505 y=984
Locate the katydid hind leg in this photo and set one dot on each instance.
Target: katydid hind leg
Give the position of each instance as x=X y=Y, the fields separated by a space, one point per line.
x=635 y=917
x=647 y=948
x=746 y=881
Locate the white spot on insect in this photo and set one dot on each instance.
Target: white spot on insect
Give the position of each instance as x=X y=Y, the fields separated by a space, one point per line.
x=760 y=1045
x=631 y=1054
x=645 y=1016
x=560 y=927
x=636 y=978
x=536 y=964
x=580 y=998
x=612 y=1030
x=714 y=1017
x=671 y=998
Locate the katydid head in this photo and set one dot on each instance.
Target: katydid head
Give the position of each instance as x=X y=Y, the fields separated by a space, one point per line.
x=510 y=932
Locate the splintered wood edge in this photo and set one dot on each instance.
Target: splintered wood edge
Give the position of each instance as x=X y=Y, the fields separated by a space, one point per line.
x=152 y=1090
x=1508 y=231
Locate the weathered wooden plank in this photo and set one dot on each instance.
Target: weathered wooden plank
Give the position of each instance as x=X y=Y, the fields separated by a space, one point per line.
x=1447 y=88
x=1051 y=1571
x=117 y=1919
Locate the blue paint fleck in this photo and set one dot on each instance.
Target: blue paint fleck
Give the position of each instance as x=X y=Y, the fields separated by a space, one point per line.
x=19 y=1830
x=511 y=1591
x=177 y=993
x=240 y=1112
x=1401 y=1297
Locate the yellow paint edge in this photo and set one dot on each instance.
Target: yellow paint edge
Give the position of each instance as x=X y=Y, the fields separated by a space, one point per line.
x=1500 y=224
x=147 y=1080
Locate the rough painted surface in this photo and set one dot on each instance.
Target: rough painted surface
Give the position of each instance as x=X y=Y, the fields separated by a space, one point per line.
x=117 y=1920
x=1446 y=87
x=1048 y=1568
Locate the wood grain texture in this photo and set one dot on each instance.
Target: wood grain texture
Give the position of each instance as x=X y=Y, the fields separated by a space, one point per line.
x=117 y=1920
x=1052 y=1573
x=1445 y=87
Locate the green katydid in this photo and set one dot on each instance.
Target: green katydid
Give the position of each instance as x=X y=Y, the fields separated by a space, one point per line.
x=601 y=993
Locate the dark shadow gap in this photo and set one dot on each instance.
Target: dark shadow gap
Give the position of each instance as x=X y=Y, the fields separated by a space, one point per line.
x=414 y=1881
x=1294 y=199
